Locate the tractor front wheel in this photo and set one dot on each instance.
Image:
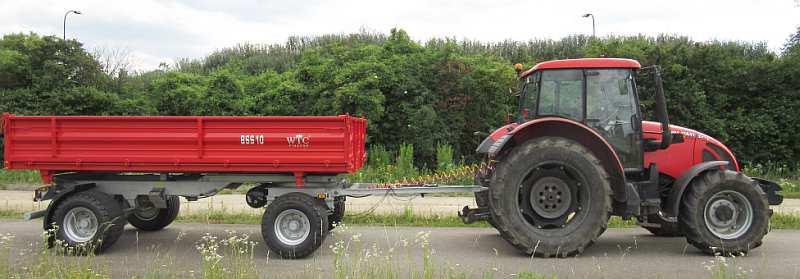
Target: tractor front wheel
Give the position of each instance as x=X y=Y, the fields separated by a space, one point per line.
x=724 y=212
x=550 y=197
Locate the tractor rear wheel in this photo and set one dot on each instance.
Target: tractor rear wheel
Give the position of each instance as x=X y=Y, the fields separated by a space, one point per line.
x=482 y=200
x=725 y=213
x=550 y=197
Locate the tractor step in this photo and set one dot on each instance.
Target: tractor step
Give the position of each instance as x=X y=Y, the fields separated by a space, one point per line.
x=472 y=215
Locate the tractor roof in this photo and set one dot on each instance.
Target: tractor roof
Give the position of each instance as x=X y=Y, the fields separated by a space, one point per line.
x=585 y=63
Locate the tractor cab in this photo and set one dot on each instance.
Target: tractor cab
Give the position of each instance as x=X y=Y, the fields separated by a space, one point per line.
x=599 y=93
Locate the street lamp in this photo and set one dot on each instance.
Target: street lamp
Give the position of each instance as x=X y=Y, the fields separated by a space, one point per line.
x=591 y=15
x=65 y=21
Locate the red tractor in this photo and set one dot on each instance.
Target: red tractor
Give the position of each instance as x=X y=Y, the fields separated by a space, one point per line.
x=580 y=152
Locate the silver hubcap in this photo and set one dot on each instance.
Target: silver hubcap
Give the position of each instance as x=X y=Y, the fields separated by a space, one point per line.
x=550 y=197
x=728 y=214
x=80 y=224
x=292 y=227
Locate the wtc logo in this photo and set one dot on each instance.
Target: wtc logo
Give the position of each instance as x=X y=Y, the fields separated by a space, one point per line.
x=298 y=141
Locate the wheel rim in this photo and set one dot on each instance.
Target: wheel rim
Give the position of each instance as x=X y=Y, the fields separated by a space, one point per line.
x=551 y=196
x=292 y=227
x=80 y=224
x=728 y=214
x=147 y=213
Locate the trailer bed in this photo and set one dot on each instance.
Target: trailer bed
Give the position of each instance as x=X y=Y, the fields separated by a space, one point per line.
x=233 y=144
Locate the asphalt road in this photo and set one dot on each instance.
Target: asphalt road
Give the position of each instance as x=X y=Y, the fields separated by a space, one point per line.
x=619 y=253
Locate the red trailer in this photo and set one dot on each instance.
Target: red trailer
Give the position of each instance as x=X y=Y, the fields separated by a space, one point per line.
x=261 y=144
x=104 y=171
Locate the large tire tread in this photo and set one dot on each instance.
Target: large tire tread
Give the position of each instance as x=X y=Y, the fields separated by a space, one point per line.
x=692 y=206
x=317 y=214
x=165 y=216
x=108 y=212
x=515 y=233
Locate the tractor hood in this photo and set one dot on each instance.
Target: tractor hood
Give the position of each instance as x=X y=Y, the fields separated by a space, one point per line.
x=651 y=127
x=722 y=152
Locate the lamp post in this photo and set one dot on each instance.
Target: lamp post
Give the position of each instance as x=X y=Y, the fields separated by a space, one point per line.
x=65 y=21
x=591 y=15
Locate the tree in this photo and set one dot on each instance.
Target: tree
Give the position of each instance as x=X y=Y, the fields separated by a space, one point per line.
x=792 y=45
x=177 y=94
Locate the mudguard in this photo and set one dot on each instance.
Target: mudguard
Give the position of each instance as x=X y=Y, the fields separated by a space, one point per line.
x=509 y=135
x=680 y=185
x=56 y=194
x=772 y=189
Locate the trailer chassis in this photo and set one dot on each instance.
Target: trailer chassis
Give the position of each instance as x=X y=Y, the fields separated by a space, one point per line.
x=315 y=205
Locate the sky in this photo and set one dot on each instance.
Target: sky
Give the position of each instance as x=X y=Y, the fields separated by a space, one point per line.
x=163 y=31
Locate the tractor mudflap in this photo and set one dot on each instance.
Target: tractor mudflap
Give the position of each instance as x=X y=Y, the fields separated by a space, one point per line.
x=772 y=189
x=472 y=215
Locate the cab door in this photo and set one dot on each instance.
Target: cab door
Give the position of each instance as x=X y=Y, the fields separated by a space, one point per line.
x=611 y=109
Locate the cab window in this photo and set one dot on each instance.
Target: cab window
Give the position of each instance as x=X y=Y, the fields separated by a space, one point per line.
x=530 y=93
x=561 y=94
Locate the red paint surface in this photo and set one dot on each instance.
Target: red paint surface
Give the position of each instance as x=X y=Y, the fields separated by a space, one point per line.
x=679 y=157
x=585 y=63
x=335 y=144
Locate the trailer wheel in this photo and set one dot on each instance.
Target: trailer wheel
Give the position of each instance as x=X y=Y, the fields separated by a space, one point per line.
x=150 y=218
x=294 y=225
x=550 y=197
x=88 y=221
x=724 y=212
x=338 y=212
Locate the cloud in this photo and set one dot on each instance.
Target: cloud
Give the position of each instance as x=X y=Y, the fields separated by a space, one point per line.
x=162 y=31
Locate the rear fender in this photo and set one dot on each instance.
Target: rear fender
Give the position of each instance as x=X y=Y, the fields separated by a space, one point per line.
x=57 y=194
x=569 y=129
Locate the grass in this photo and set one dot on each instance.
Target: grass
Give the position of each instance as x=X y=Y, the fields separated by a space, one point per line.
x=19 y=179
x=10 y=214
